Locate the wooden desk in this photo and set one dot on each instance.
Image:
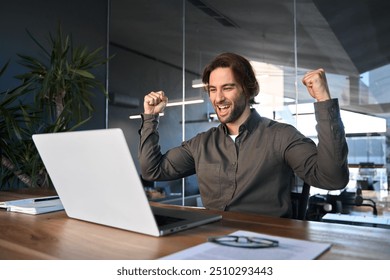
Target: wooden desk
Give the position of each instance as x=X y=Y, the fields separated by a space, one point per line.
x=55 y=236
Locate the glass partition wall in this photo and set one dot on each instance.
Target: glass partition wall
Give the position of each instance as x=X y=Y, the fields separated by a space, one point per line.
x=164 y=45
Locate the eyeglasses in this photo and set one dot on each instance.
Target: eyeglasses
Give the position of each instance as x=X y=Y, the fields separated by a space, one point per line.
x=244 y=241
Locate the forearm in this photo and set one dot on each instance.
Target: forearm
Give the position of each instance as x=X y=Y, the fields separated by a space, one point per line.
x=332 y=148
x=155 y=166
x=149 y=153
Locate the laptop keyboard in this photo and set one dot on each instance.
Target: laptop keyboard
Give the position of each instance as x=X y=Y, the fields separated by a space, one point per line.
x=166 y=220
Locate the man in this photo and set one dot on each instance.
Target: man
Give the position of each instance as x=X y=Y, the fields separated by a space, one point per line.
x=247 y=162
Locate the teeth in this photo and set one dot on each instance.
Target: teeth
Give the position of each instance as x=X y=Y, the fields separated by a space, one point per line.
x=222 y=107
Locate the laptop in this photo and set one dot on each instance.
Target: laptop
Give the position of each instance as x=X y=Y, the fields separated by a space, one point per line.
x=97 y=181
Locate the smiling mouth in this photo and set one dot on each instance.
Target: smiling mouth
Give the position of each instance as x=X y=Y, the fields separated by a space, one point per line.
x=223 y=106
x=222 y=110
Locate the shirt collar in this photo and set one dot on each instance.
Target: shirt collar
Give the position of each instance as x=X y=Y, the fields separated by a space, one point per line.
x=250 y=124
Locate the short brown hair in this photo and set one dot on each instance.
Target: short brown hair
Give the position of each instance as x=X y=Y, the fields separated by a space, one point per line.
x=242 y=71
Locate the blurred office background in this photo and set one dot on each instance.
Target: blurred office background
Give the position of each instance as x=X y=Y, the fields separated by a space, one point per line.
x=164 y=44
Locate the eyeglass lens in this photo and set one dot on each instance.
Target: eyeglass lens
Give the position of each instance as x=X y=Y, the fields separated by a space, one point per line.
x=244 y=241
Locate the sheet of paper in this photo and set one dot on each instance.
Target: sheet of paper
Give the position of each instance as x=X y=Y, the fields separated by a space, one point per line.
x=376 y=220
x=288 y=249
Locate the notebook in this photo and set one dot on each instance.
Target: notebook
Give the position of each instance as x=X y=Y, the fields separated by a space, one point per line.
x=97 y=181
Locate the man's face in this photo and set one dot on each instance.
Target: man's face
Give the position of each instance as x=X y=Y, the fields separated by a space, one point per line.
x=226 y=95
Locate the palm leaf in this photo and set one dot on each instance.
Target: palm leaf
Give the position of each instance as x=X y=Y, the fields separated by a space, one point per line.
x=37 y=42
x=2 y=70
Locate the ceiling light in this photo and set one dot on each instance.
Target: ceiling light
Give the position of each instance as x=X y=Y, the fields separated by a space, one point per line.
x=188 y=102
x=197 y=83
x=172 y=104
x=133 y=117
x=288 y=100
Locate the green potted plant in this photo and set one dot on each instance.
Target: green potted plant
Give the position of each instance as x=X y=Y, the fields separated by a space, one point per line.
x=54 y=96
x=12 y=130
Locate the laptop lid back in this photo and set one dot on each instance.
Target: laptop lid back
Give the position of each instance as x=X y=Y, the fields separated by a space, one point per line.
x=95 y=177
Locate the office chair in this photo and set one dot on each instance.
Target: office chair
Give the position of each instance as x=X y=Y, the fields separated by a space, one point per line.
x=300 y=202
x=344 y=202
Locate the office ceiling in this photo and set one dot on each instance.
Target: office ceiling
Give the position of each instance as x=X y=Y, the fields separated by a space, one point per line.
x=363 y=29
x=344 y=37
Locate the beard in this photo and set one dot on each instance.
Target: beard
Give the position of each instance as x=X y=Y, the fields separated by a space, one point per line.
x=238 y=108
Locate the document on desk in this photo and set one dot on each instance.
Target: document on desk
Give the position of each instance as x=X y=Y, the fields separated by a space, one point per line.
x=288 y=249
x=356 y=219
x=33 y=206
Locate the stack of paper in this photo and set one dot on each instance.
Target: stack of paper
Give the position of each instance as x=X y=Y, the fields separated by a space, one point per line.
x=34 y=205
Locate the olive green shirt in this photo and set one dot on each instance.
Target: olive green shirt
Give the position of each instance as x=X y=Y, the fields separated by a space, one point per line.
x=252 y=174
